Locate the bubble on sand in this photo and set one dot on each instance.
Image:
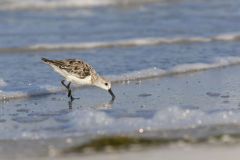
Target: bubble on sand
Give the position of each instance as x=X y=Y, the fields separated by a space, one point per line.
x=213 y=94
x=144 y=95
x=23 y=110
x=226 y=102
x=29 y=119
x=225 y=96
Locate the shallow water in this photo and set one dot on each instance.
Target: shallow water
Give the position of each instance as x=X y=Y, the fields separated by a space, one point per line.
x=152 y=51
x=175 y=102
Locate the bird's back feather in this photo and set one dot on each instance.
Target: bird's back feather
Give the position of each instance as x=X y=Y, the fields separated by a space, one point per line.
x=73 y=66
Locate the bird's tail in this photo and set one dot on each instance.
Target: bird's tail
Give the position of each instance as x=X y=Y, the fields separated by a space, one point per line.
x=48 y=61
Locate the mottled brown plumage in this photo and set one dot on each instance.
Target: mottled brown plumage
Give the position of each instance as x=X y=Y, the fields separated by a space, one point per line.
x=75 y=66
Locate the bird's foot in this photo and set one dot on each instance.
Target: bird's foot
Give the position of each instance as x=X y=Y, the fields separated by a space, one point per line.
x=70 y=95
x=73 y=98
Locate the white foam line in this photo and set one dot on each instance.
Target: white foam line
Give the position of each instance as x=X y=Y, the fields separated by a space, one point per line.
x=117 y=43
x=138 y=75
x=149 y=41
x=179 y=69
x=218 y=62
x=56 y=4
x=132 y=76
x=134 y=42
x=42 y=4
x=227 y=37
x=30 y=92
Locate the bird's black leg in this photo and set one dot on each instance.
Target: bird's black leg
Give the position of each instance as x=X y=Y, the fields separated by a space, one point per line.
x=68 y=87
x=69 y=90
x=64 y=84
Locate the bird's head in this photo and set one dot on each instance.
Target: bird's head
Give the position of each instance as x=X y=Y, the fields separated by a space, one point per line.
x=104 y=84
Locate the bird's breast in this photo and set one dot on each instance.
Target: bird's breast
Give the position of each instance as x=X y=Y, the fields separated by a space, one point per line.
x=79 y=81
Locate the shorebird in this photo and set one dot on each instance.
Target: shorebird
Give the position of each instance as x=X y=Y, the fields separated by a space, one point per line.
x=78 y=72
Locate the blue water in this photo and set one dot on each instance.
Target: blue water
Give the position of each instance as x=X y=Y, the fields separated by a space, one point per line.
x=183 y=18
x=23 y=72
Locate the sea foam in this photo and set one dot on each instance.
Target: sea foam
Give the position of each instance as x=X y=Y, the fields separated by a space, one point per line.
x=179 y=69
x=88 y=121
x=56 y=4
x=135 y=42
x=171 y=117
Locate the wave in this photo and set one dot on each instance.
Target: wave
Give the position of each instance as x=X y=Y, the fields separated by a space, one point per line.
x=127 y=77
x=58 y=4
x=184 y=118
x=122 y=43
x=174 y=121
x=30 y=92
x=179 y=69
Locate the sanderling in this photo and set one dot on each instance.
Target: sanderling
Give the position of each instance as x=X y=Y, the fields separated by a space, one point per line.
x=78 y=72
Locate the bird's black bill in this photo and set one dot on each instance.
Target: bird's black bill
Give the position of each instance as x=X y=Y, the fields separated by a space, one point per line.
x=110 y=91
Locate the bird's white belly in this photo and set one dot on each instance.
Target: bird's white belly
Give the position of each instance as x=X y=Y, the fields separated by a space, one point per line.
x=85 y=81
x=71 y=78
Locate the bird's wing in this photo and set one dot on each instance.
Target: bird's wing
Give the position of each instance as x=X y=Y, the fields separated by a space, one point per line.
x=76 y=67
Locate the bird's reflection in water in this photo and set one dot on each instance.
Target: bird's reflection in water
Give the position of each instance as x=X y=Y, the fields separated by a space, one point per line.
x=70 y=104
x=101 y=106
x=106 y=105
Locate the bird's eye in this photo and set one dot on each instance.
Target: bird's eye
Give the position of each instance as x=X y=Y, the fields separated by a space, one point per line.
x=106 y=84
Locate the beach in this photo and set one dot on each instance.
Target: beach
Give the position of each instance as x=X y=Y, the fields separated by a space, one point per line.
x=174 y=68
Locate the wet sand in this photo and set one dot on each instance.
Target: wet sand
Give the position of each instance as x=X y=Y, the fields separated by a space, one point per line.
x=180 y=151
x=175 y=153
